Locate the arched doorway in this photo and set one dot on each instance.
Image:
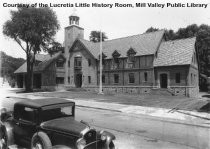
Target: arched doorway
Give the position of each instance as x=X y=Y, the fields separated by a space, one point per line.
x=163 y=80
x=78 y=80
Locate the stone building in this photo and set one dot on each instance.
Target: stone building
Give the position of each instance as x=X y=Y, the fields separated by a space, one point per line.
x=143 y=63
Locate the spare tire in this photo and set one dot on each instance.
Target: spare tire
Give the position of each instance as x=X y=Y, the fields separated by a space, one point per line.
x=40 y=140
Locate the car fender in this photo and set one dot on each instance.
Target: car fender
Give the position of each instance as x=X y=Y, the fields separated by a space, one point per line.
x=9 y=132
x=109 y=138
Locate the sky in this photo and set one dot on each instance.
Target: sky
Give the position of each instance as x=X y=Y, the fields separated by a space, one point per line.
x=116 y=22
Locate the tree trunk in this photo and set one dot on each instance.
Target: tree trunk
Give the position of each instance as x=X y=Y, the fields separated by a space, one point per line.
x=29 y=74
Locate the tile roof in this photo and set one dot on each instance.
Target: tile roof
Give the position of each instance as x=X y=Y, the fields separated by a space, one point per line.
x=45 y=61
x=143 y=44
x=176 y=52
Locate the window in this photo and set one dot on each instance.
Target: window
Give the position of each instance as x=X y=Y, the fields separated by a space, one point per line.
x=69 y=63
x=89 y=62
x=89 y=79
x=78 y=62
x=131 y=65
x=27 y=114
x=59 y=64
x=145 y=77
x=59 y=80
x=195 y=79
x=103 y=79
x=131 y=78
x=116 y=78
x=68 y=79
x=115 y=63
x=178 y=76
x=191 y=78
x=131 y=57
x=58 y=111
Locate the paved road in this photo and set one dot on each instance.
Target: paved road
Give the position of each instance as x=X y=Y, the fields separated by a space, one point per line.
x=143 y=132
x=140 y=131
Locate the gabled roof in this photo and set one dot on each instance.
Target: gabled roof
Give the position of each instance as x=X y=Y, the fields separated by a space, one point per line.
x=144 y=44
x=45 y=61
x=176 y=52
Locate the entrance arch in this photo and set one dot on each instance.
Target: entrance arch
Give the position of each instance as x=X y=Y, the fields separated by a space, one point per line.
x=163 y=80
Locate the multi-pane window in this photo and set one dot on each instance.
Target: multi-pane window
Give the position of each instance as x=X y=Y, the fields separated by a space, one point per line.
x=89 y=62
x=145 y=76
x=59 y=80
x=68 y=79
x=116 y=78
x=191 y=78
x=68 y=63
x=131 y=78
x=89 y=79
x=103 y=79
x=178 y=77
x=131 y=61
x=78 y=62
x=59 y=64
x=116 y=63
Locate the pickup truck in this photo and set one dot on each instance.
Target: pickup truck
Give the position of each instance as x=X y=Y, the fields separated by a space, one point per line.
x=49 y=123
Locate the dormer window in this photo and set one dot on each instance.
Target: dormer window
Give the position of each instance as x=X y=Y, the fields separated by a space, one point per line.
x=60 y=63
x=131 y=57
x=116 y=62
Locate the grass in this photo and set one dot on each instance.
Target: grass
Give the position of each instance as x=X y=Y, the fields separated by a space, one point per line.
x=147 y=100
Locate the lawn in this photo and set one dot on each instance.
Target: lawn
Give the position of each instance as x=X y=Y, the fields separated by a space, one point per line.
x=147 y=100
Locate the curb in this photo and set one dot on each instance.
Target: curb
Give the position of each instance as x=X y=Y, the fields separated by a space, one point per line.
x=99 y=108
x=170 y=120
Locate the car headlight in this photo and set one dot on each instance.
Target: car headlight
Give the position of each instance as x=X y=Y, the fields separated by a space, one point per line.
x=103 y=137
x=81 y=143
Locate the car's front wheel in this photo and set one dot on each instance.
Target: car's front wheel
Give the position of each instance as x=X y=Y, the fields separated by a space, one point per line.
x=3 y=137
x=40 y=140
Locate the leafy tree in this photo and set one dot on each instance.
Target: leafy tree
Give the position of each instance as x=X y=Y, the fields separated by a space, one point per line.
x=202 y=34
x=8 y=65
x=33 y=29
x=151 y=29
x=95 y=36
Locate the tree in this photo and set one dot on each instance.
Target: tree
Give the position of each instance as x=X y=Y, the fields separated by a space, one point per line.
x=203 y=49
x=9 y=65
x=202 y=46
x=151 y=29
x=33 y=30
x=95 y=36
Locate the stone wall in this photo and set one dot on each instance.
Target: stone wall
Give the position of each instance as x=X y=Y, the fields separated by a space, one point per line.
x=174 y=90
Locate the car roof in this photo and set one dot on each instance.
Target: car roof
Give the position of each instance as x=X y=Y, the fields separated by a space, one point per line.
x=42 y=102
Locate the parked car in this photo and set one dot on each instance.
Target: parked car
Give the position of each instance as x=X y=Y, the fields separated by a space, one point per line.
x=49 y=123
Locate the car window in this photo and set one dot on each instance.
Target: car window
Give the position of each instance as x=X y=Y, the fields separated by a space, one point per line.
x=57 y=112
x=27 y=114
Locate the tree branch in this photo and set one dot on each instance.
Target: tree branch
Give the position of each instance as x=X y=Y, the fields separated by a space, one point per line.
x=20 y=44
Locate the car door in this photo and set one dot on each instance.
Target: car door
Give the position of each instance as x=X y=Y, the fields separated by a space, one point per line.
x=25 y=124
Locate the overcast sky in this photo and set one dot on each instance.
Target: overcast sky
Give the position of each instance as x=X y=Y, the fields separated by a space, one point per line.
x=115 y=22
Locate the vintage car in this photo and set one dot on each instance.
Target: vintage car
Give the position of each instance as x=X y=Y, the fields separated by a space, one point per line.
x=49 y=123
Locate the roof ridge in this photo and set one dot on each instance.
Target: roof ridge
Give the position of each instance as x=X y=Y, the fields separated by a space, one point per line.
x=124 y=37
x=181 y=39
x=134 y=35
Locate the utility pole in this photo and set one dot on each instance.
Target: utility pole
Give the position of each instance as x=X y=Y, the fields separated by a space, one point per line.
x=100 y=84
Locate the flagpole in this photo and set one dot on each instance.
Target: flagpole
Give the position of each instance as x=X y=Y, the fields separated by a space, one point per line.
x=100 y=85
